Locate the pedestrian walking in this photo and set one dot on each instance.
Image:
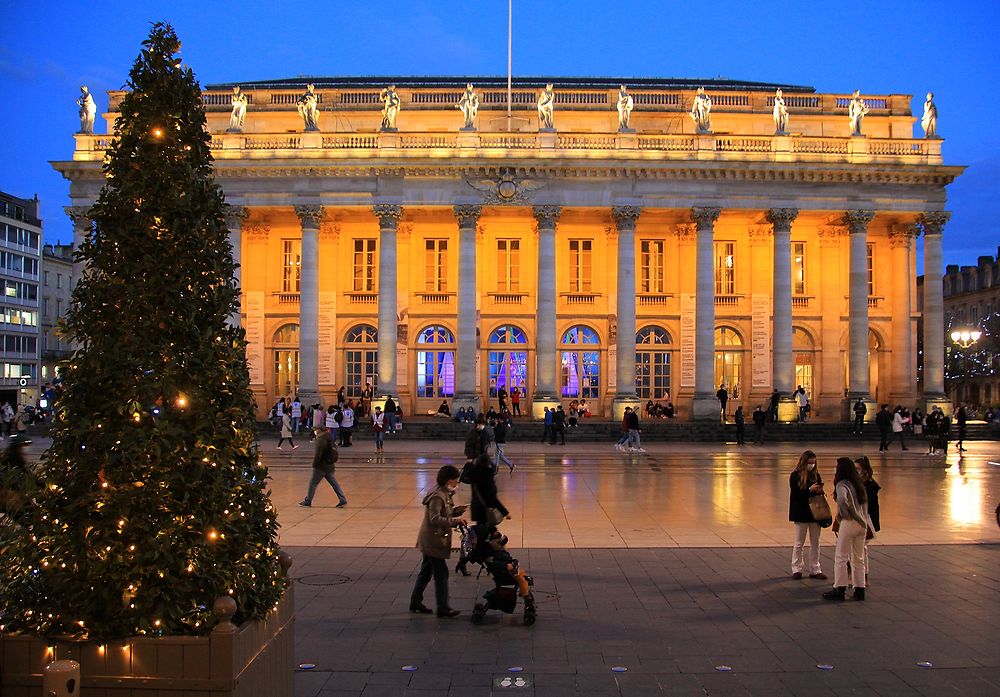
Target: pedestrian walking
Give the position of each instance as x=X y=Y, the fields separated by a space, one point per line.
x=884 y=422
x=559 y=425
x=325 y=458
x=441 y=515
x=476 y=441
x=723 y=396
x=898 y=423
x=804 y=483
x=500 y=441
x=620 y=445
x=286 y=432
x=851 y=525
x=634 y=444
x=378 y=428
x=547 y=419
x=740 y=426
x=960 y=419
x=759 y=423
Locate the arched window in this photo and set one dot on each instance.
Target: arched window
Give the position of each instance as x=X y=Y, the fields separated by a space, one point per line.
x=729 y=360
x=508 y=359
x=652 y=363
x=802 y=348
x=436 y=362
x=285 y=350
x=580 y=369
x=360 y=359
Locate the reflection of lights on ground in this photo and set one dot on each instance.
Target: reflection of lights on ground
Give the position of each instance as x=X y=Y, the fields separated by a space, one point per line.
x=964 y=500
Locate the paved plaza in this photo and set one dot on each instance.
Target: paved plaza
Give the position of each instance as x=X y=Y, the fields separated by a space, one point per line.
x=672 y=564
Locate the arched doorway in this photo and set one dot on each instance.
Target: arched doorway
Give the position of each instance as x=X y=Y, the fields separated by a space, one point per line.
x=508 y=361
x=652 y=363
x=804 y=351
x=360 y=359
x=729 y=361
x=580 y=365
x=285 y=359
x=435 y=374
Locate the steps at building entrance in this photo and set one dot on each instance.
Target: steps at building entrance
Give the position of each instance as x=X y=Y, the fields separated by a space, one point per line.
x=602 y=430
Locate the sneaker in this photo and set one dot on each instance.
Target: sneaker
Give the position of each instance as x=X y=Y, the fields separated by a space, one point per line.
x=421 y=609
x=341 y=504
x=305 y=504
x=820 y=576
x=640 y=450
x=797 y=575
x=295 y=447
x=512 y=468
x=448 y=614
x=279 y=447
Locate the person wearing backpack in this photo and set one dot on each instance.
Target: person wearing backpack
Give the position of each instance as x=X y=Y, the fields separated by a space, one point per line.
x=324 y=460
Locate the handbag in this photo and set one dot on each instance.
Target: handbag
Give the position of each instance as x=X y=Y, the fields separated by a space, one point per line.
x=494 y=516
x=869 y=533
x=820 y=509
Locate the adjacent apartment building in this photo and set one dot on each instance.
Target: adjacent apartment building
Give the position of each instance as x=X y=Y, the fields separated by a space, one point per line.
x=20 y=267
x=971 y=298
x=57 y=291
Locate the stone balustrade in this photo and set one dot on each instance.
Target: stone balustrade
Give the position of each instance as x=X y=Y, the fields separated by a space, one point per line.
x=581 y=145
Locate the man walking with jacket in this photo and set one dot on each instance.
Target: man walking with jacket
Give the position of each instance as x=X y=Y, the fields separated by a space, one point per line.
x=324 y=461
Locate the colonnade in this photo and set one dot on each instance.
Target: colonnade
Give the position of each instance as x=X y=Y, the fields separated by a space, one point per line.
x=705 y=405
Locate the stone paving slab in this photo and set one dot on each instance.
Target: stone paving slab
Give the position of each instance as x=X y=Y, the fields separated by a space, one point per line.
x=669 y=615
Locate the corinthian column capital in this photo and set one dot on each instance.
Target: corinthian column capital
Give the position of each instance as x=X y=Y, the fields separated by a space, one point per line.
x=857 y=221
x=468 y=215
x=546 y=215
x=625 y=216
x=705 y=216
x=236 y=215
x=933 y=222
x=310 y=216
x=78 y=214
x=782 y=218
x=389 y=215
x=903 y=235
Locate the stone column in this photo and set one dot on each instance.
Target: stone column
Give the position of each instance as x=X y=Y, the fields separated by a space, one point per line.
x=81 y=228
x=903 y=377
x=235 y=217
x=310 y=218
x=625 y=395
x=933 y=382
x=465 y=373
x=783 y=363
x=705 y=405
x=546 y=360
x=388 y=313
x=860 y=384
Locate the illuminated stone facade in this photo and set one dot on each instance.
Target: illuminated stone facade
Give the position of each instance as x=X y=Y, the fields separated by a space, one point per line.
x=589 y=262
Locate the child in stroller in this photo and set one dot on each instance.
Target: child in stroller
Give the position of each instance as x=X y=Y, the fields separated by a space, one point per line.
x=487 y=546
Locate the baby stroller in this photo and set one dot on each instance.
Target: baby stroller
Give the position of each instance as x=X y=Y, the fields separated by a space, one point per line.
x=486 y=546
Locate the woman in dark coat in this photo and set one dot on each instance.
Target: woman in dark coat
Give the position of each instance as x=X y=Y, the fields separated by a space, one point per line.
x=434 y=542
x=484 y=497
x=804 y=483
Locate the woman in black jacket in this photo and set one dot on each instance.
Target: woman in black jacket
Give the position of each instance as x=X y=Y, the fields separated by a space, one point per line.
x=804 y=483
x=484 y=497
x=864 y=467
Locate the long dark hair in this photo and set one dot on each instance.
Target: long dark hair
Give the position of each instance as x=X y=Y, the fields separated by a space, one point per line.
x=846 y=470
x=802 y=468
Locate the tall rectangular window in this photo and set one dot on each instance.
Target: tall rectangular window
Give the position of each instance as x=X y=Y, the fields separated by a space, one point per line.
x=651 y=266
x=436 y=266
x=871 y=269
x=798 y=268
x=508 y=266
x=364 y=265
x=580 y=266
x=291 y=266
x=725 y=268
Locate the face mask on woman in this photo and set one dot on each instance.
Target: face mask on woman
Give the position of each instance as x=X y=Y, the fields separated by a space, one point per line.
x=811 y=466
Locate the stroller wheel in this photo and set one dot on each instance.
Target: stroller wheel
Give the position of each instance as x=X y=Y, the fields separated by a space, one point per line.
x=478 y=612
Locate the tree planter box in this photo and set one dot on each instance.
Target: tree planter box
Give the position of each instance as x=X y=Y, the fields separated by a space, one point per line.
x=254 y=660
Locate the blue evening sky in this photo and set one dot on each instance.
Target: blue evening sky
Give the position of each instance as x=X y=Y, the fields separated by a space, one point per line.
x=951 y=48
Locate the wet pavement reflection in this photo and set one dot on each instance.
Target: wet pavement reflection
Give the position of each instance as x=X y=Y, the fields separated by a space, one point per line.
x=588 y=495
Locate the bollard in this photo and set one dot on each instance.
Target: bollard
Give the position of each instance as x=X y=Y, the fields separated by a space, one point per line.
x=61 y=679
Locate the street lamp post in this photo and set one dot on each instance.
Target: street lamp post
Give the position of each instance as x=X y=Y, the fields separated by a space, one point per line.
x=965 y=338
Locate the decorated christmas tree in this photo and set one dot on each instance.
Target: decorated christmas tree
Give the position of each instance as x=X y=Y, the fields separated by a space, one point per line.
x=155 y=503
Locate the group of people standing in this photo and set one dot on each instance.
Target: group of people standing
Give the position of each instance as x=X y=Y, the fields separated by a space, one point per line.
x=855 y=521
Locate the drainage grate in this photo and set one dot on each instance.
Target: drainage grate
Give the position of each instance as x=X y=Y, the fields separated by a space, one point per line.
x=324 y=580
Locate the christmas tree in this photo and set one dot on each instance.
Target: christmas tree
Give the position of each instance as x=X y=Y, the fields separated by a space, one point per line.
x=155 y=503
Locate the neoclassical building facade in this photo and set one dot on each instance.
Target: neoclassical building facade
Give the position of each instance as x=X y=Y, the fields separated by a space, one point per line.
x=613 y=258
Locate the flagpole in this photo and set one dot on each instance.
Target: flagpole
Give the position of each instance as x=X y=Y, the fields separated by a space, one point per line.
x=510 y=10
